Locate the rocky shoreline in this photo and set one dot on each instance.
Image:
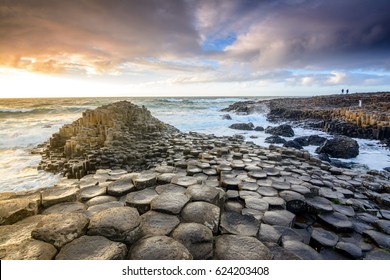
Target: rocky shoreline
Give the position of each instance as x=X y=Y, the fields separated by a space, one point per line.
x=334 y=114
x=174 y=195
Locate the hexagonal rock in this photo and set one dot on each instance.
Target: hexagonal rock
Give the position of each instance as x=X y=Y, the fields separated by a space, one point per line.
x=66 y=207
x=343 y=209
x=267 y=191
x=165 y=178
x=279 y=217
x=268 y=233
x=235 y=223
x=92 y=191
x=184 y=181
x=281 y=186
x=197 y=238
x=257 y=174
x=322 y=237
x=159 y=248
x=144 y=180
x=122 y=186
x=28 y=249
x=349 y=249
x=57 y=195
x=141 y=199
x=203 y=193
x=275 y=202
x=99 y=207
x=280 y=253
x=169 y=203
x=248 y=186
x=92 y=248
x=117 y=224
x=13 y=210
x=230 y=183
x=164 y=169
x=156 y=223
x=239 y=247
x=377 y=254
x=318 y=204
x=288 y=234
x=100 y=200
x=60 y=229
x=381 y=239
x=337 y=221
x=170 y=188
x=302 y=250
x=383 y=225
x=256 y=203
x=203 y=213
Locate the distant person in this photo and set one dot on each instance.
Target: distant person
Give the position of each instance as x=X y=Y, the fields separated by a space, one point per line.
x=342 y=91
x=347 y=91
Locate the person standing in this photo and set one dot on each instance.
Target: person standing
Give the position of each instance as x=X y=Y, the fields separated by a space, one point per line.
x=347 y=91
x=342 y=91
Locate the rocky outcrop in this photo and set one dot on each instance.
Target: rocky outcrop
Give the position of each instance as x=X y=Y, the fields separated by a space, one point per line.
x=118 y=135
x=242 y=126
x=281 y=130
x=339 y=147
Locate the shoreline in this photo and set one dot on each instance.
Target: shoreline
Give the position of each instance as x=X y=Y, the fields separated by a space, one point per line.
x=266 y=203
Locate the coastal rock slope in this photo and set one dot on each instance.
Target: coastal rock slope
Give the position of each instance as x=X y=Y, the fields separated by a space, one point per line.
x=209 y=198
x=118 y=135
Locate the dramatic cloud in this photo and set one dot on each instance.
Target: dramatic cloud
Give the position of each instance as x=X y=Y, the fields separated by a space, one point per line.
x=300 y=43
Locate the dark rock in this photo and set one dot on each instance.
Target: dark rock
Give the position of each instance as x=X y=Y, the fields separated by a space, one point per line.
x=322 y=237
x=349 y=249
x=280 y=253
x=259 y=128
x=184 y=181
x=275 y=140
x=92 y=248
x=279 y=217
x=340 y=147
x=203 y=213
x=293 y=144
x=337 y=221
x=169 y=203
x=141 y=199
x=383 y=225
x=159 y=248
x=319 y=204
x=302 y=250
x=238 y=247
x=377 y=254
x=242 y=126
x=204 y=193
x=316 y=140
x=226 y=117
x=381 y=239
x=197 y=238
x=281 y=130
x=235 y=223
x=156 y=223
x=303 y=140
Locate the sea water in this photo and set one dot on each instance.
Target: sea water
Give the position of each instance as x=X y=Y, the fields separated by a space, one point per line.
x=25 y=123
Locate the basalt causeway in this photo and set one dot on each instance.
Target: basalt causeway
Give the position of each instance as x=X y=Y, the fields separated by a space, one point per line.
x=136 y=188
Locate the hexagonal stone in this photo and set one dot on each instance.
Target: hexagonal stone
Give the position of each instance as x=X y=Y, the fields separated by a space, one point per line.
x=302 y=250
x=301 y=189
x=377 y=254
x=271 y=171
x=343 y=209
x=383 y=225
x=66 y=207
x=275 y=202
x=279 y=217
x=165 y=178
x=210 y=172
x=204 y=193
x=248 y=186
x=280 y=253
x=257 y=174
x=170 y=188
x=57 y=195
x=257 y=214
x=156 y=223
x=13 y=210
x=319 y=204
x=230 y=183
x=169 y=203
x=203 y=213
x=117 y=224
x=93 y=191
x=100 y=200
x=268 y=233
x=144 y=180
x=235 y=223
x=184 y=181
x=289 y=234
x=267 y=191
x=349 y=249
x=60 y=229
x=122 y=186
x=322 y=237
x=141 y=199
x=233 y=206
x=28 y=249
x=281 y=186
x=165 y=169
x=239 y=247
x=92 y=248
x=197 y=238
x=99 y=207
x=159 y=248
x=337 y=221
x=256 y=203
x=381 y=239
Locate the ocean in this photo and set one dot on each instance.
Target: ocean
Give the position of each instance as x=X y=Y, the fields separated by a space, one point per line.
x=25 y=123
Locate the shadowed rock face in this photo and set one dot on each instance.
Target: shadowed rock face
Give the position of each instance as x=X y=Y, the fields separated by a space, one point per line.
x=340 y=147
x=120 y=135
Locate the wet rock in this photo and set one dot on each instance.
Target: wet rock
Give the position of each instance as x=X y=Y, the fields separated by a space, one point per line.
x=235 y=223
x=322 y=237
x=377 y=254
x=60 y=229
x=13 y=210
x=275 y=140
x=169 y=203
x=293 y=144
x=279 y=217
x=57 y=195
x=381 y=239
x=117 y=224
x=238 y=247
x=203 y=213
x=92 y=248
x=259 y=128
x=242 y=126
x=337 y=221
x=349 y=249
x=156 y=223
x=281 y=130
x=383 y=225
x=303 y=140
x=316 y=140
x=319 y=205
x=159 y=248
x=226 y=117
x=340 y=147
x=302 y=250
x=345 y=210
x=197 y=238
x=141 y=199
x=267 y=191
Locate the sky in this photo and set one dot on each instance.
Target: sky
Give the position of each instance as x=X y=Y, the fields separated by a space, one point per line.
x=193 y=47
